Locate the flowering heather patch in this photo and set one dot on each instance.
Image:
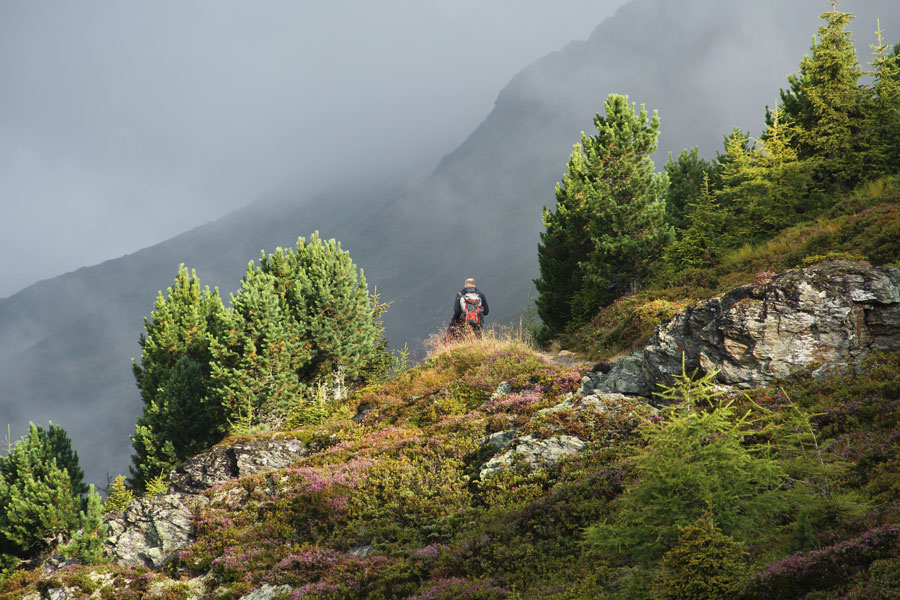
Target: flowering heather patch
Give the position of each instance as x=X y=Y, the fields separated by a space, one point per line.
x=429 y=554
x=797 y=575
x=456 y=588
x=321 y=590
x=526 y=403
x=308 y=565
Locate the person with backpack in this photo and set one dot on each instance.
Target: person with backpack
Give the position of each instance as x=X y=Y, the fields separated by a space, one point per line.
x=469 y=310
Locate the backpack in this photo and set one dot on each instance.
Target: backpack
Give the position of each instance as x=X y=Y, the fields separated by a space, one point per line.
x=472 y=311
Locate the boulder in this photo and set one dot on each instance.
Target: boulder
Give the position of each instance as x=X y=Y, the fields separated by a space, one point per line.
x=222 y=463
x=150 y=530
x=831 y=313
x=534 y=452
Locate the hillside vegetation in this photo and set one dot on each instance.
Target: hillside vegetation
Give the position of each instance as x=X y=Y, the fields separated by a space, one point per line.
x=487 y=472
x=775 y=494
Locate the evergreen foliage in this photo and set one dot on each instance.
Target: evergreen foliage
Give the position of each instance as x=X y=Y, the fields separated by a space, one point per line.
x=689 y=175
x=705 y=457
x=88 y=543
x=303 y=317
x=38 y=497
x=702 y=243
x=609 y=224
x=119 y=496
x=881 y=142
x=704 y=564
x=182 y=411
x=765 y=188
x=824 y=100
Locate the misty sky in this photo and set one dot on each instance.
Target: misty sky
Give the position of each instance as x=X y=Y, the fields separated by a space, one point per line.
x=124 y=123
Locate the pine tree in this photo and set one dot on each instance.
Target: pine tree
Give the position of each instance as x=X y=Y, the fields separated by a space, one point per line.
x=37 y=496
x=46 y=445
x=702 y=243
x=764 y=188
x=88 y=543
x=881 y=140
x=118 y=495
x=302 y=318
x=260 y=356
x=328 y=298
x=824 y=101
x=564 y=242
x=182 y=414
x=688 y=175
x=609 y=224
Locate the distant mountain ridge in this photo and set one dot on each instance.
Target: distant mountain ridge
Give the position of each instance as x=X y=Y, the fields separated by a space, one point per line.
x=706 y=65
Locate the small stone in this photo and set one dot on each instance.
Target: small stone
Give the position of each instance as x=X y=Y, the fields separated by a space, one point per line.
x=268 y=592
x=362 y=551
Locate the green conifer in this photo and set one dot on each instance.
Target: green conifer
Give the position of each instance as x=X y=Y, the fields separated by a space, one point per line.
x=609 y=224
x=881 y=140
x=37 y=497
x=300 y=319
x=824 y=101
x=702 y=243
x=182 y=414
x=688 y=175
x=88 y=543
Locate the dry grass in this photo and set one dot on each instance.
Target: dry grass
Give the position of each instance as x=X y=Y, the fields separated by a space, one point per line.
x=492 y=340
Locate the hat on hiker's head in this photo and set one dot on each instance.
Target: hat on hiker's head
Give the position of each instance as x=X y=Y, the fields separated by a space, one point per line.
x=470 y=282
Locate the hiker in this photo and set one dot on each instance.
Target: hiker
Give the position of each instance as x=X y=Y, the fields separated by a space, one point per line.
x=469 y=310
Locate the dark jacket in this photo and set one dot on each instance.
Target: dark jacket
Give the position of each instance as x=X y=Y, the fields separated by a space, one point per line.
x=457 y=309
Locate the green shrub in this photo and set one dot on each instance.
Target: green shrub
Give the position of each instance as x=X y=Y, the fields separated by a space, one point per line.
x=695 y=460
x=37 y=497
x=704 y=564
x=119 y=495
x=88 y=543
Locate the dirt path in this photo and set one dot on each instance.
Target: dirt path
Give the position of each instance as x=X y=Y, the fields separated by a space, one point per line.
x=565 y=358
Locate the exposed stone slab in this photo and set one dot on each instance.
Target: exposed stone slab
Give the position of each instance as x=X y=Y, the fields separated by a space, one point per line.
x=832 y=313
x=223 y=463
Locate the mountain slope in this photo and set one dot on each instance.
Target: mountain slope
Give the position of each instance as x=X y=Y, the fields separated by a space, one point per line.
x=707 y=66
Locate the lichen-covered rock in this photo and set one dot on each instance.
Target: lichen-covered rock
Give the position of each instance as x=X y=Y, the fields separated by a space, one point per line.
x=150 y=530
x=222 y=463
x=832 y=313
x=534 y=452
x=268 y=592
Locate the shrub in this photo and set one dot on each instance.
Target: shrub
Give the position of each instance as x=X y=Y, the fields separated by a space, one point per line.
x=37 y=496
x=88 y=543
x=694 y=460
x=800 y=574
x=118 y=496
x=704 y=564
x=456 y=588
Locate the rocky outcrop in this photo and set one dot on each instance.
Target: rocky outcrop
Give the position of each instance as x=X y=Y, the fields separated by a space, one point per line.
x=222 y=463
x=832 y=313
x=534 y=452
x=150 y=530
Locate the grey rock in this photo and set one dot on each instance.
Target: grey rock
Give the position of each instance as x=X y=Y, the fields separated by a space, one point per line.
x=150 y=530
x=223 y=463
x=362 y=551
x=268 y=592
x=500 y=439
x=503 y=389
x=831 y=313
x=535 y=452
x=361 y=411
